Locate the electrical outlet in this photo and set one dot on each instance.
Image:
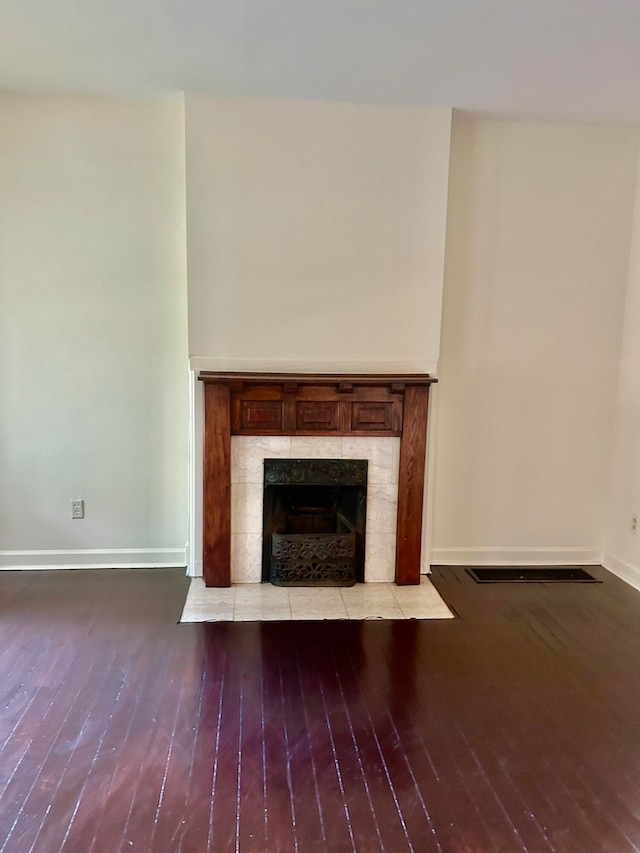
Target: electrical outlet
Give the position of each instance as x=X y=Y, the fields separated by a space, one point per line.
x=634 y=522
x=77 y=509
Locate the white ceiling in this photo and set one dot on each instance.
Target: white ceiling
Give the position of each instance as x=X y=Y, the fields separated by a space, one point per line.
x=550 y=59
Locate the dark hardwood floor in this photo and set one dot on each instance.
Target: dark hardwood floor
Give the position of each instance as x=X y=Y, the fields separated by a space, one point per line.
x=513 y=727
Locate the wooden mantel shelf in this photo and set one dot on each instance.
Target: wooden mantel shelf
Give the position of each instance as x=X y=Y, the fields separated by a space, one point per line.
x=320 y=378
x=313 y=404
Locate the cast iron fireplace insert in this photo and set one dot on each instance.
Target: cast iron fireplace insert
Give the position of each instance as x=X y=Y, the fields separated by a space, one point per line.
x=314 y=513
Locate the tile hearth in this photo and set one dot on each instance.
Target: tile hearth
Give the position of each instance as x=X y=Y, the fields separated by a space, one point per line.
x=265 y=602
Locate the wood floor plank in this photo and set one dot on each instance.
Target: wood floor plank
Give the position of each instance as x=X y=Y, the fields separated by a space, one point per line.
x=197 y=817
x=314 y=819
x=145 y=762
x=383 y=765
x=281 y=830
x=334 y=815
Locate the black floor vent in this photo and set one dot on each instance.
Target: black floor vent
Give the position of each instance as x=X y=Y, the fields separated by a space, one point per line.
x=531 y=576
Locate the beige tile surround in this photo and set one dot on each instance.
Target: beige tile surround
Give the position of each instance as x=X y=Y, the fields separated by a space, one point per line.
x=247 y=474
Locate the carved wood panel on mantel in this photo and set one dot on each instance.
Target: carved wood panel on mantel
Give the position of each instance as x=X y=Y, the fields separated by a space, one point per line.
x=313 y=404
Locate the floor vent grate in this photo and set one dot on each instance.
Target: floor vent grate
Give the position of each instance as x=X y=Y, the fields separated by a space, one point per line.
x=571 y=575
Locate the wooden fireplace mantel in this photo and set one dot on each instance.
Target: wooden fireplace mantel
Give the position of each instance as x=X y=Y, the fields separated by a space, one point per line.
x=313 y=404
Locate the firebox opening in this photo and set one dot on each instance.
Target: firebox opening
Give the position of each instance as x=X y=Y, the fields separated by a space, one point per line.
x=313 y=527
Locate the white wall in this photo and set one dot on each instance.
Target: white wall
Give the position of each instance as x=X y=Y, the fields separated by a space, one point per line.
x=93 y=378
x=319 y=210
x=622 y=544
x=538 y=240
x=315 y=234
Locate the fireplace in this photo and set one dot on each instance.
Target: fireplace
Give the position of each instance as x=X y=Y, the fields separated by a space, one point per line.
x=292 y=407
x=314 y=518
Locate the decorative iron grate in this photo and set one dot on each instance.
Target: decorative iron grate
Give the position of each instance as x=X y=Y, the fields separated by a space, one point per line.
x=312 y=572
x=313 y=546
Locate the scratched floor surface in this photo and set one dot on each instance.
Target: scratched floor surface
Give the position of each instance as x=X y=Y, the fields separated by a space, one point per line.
x=513 y=727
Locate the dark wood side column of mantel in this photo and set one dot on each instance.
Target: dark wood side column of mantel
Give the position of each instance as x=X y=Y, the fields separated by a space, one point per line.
x=413 y=453
x=321 y=404
x=216 y=499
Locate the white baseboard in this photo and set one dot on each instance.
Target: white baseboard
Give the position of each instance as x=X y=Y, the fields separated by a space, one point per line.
x=94 y=558
x=626 y=571
x=515 y=557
